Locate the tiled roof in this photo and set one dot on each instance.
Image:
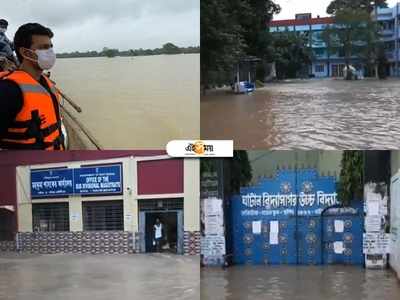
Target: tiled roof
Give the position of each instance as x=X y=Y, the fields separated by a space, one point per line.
x=292 y=22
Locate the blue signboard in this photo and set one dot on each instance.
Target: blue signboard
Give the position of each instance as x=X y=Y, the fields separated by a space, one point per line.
x=98 y=180
x=279 y=221
x=94 y=180
x=51 y=183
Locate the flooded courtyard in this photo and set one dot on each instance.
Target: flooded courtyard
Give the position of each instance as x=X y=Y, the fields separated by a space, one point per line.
x=298 y=283
x=62 y=277
x=307 y=114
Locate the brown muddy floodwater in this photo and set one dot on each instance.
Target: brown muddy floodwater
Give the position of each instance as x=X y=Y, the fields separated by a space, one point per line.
x=298 y=283
x=99 y=277
x=307 y=114
x=140 y=102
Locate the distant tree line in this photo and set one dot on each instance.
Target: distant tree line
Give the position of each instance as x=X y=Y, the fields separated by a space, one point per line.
x=168 y=48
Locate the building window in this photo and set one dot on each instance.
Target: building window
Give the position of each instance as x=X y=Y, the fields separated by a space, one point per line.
x=103 y=215
x=319 y=68
x=50 y=217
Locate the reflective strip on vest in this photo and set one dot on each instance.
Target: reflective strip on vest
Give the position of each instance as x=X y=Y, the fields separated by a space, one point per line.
x=31 y=88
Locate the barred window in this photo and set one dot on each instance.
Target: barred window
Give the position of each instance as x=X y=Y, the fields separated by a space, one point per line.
x=319 y=68
x=50 y=217
x=103 y=215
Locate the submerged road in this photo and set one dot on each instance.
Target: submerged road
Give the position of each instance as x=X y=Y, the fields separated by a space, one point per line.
x=307 y=114
x=298 y=283
x=103 y=277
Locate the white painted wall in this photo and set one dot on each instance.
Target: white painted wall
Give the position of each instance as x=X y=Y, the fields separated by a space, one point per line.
x=394 y=258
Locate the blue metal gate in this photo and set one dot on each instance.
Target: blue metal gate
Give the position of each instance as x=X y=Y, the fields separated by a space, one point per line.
x=280 y=221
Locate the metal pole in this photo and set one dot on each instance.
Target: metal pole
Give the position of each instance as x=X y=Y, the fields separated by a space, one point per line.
x=397 y=39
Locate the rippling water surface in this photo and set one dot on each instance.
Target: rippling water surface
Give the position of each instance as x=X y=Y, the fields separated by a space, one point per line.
x=307 y=114
x=298 y=283
x=141 y=103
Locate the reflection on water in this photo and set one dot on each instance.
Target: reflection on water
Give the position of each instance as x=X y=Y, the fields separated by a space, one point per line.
x=140 y=102
x=323 y=114
x=301 y=282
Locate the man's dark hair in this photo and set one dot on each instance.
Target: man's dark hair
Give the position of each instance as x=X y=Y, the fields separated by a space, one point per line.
x=23 y=36
x=3 y=23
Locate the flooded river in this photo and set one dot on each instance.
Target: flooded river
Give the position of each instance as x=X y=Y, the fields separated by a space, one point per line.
x=140 y=102
x=298 y=283
x=307 y=114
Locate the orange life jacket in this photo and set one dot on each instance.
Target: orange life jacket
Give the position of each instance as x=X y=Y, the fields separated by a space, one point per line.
x=38 y=124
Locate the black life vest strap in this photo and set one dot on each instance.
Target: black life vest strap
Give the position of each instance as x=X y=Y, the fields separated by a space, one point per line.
x=29 y=134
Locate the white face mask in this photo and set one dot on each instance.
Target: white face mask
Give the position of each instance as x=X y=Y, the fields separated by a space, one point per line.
x=3 y=30
x=46 y=58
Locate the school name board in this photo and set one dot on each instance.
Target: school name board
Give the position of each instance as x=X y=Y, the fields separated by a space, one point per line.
x=301 y=192
x=93 y=180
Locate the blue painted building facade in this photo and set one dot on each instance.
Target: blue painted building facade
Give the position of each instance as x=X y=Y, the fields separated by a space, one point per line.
x=322 y=66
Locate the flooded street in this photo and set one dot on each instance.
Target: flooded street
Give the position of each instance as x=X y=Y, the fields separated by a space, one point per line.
x=134 y=102
x=307 y=114
x=298 y=283
x=103 y=277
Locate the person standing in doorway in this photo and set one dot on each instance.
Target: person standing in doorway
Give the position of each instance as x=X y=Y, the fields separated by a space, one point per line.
x=158 y=234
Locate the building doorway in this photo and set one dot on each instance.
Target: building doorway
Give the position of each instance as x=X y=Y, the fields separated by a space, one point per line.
x=170 y=231
x=170 y=214
x=338 y=70
x=7 y=225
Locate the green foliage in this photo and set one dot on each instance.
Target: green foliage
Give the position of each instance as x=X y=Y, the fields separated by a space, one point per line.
x=168 y=48
x=110 y=52
x=356 y=35
x=241 y=172
x=382 y=61
x=292 y=55
x=367 y=5
x=239 y=167
x=351 y=183
x=231 y=29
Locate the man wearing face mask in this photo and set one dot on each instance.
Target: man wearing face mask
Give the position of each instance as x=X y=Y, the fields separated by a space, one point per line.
x=29 y=101
x=6 y=46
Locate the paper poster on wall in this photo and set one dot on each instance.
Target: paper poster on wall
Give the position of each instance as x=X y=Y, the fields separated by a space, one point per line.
x=213 y=224
x=370 y=196
x=373 y=223
x=273 y=238
x=256 y=227
x=74 y=216
x=274 y=226
x=339 y=226
x=373 y=208
x=376 y=243
x=338 y=247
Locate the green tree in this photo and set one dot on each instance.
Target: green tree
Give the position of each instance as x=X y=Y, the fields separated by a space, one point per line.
x=350 y=27
x=331 y=40
x=170 y=48
x=292 y=54
x=366 y=5
x=382 y=61
x=230 y=30
x=239 y=172
x=110 y=52
x=351 y=181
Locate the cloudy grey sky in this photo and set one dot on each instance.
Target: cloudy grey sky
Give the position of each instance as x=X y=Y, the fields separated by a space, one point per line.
x=81 y=25
x=316 y=7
